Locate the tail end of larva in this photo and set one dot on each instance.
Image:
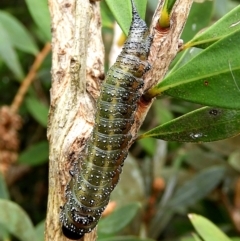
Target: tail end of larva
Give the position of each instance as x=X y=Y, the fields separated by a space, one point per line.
x=70 y=234
x=135 y=15
x=137 y=22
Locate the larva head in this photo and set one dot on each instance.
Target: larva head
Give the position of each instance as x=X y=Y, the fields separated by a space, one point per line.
x=71 y=234
x=138 y=42
x=138 y=25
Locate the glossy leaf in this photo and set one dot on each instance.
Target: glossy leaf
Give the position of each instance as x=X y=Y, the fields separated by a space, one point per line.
x=8 y=54
x=203 y=125
x=35 y=155
x=211 y=78
x=16 y=221
x=185 y=57
x=206 y=229
x=41 y=16
x=38 y=110
x=125 y=238
x=119 y=219
x=199 y=18
x=122 y=11
x=226 y=25
x=18 y=35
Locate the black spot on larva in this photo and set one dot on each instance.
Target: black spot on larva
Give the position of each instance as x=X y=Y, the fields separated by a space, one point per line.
x=97 y=171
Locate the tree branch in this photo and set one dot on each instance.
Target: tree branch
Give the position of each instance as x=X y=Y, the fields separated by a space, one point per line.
x=77 y=67
x=163 y=50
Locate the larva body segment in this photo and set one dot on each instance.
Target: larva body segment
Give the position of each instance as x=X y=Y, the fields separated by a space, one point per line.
x=97 y=171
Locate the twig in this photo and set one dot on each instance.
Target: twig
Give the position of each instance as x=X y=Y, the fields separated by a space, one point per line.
x=29 y=78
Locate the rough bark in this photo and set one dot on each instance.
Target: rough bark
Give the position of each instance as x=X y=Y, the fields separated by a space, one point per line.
x=77 y=72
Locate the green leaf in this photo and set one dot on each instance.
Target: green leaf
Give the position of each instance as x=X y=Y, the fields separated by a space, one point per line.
x=203 y=125
x=40 y=14
x=184 y=58
x=170 y=4
x=8 y=54
x=39 y=231
x=187 y=239
x=107 y=17
x=234 y=160
x=3 y=188
x=16 y=221
x=226 y=25
x=148 y=145
x=206 y=229
x=125 y=238
x=197 y=188
x=211 y=78
x=118 y=219
x=196 y=237
x=199 y=17
x=122 y=11
x=18 y=35
x=38 y=110
x=35 y=155
x=4 y=234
